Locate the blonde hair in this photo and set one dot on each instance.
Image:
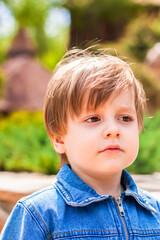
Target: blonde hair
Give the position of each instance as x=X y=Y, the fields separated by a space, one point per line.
x=82 y=72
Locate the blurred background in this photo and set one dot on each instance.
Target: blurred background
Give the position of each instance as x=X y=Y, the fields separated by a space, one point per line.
x=34 y=35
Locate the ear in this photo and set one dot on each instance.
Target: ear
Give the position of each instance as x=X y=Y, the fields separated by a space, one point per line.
x=58 y=143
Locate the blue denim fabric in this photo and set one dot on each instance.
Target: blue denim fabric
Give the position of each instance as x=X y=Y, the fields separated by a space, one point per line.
x=72 y=210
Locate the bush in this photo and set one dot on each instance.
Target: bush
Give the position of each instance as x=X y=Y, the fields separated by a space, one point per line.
x=25 y=145
x=141 y=35
x=150 y=83
x=148 y=160
x=144 y=73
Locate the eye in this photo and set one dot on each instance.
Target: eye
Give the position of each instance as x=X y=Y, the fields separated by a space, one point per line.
x=126 y=118
x=93 y=119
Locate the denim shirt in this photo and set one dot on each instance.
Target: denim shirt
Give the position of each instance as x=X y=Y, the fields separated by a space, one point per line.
x=72 y=210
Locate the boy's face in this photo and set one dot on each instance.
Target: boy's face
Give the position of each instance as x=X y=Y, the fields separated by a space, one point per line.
x=104 y=141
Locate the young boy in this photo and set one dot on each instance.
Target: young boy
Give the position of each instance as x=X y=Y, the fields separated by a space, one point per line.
x=93 y=115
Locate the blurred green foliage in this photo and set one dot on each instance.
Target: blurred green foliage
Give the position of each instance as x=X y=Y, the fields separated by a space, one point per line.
x=24 y=141
x=148 y=160
x=109 y=10
x=112 y=9
x=141 y=34
x=32 y=15
x=104 y=20
x=141 y=70
x=25 y=144
x=150 y=83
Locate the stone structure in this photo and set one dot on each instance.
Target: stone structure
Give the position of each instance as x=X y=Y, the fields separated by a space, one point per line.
x=25 y=78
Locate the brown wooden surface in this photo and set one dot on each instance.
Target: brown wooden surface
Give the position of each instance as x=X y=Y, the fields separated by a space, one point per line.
x=2 y=222
x=12 y=197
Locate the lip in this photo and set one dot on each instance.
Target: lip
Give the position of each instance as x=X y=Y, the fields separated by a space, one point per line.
x=112 y=149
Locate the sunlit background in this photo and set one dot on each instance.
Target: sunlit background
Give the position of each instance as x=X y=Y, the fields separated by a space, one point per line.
x=34 y=35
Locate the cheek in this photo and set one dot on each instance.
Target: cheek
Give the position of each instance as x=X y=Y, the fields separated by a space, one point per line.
x=134 y=144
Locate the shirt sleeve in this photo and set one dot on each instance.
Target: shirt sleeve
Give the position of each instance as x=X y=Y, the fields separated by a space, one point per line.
x=21 y=225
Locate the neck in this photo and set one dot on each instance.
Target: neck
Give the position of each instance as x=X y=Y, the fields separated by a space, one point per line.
x=108 y=186
x=103 y=185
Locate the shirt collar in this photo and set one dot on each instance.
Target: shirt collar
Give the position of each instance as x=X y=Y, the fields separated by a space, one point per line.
x=77 y=193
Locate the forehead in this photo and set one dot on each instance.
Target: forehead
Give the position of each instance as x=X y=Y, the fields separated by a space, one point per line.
x=125 y=97
x=90 y=89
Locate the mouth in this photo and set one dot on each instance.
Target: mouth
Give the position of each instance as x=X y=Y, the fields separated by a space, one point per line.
x=112 y=149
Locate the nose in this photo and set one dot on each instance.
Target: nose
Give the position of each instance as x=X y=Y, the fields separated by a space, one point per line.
x=111 y=131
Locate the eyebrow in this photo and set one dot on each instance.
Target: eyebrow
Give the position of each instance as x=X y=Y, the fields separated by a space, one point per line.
x=127 y=108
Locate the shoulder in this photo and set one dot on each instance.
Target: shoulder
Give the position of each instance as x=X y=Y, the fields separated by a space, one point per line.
x=41 y=202
x=150 y=199
x=34 y=215
x=39 y=197
x=143 y=197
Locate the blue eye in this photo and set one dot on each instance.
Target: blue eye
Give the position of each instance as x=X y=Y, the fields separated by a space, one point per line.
x=126 y=119
x=93 y=119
